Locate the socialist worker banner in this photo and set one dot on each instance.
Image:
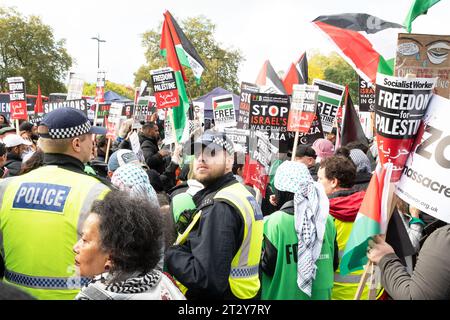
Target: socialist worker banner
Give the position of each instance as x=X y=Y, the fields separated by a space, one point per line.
x=424 y=183
x=400 y=104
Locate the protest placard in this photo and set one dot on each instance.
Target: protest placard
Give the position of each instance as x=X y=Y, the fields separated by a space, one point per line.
x=17 y=98
x=303 y=108
x=315 y=131
x=269 y=113
x=239 y=138
x=243 y=121
x=329 y=100
x=136 y=146
x=115 y=112
x=425 y=56
x=366 y=96
x=424 y=182
x=80 y=104
x=223 y=111
x=399 y=107
x=75 y=86
x=165 y=88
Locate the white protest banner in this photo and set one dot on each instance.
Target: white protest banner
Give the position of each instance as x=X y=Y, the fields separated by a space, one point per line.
x=115 y=112
x=223 y=111
x=136 y=146
x=75 y=87
x=169 y=137
x=330 y=97
x=424 y=183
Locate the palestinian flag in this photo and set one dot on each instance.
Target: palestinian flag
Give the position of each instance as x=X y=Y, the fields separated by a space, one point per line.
x=371 y=220
x=169 y=40
x=268 y=80
x=366 y=42
x=297 y=74
x=39 y=107
x=351 y=126
x=186 y=52
x=418 y=8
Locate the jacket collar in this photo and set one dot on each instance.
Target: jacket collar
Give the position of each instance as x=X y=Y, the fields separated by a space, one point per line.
x=221 y=183
x=63 y=161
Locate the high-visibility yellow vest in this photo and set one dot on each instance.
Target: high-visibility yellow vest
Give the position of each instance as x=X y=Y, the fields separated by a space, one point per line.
x=41 y=218
x=244 y=277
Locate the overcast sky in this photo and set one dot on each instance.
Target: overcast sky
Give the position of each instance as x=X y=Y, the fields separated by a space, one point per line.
x=262 y=29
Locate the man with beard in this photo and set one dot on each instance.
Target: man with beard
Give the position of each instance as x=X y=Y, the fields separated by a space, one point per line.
x=217 y=255
x=148 y=139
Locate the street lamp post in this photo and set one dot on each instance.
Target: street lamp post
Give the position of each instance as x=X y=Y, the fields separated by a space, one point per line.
x=98 y=49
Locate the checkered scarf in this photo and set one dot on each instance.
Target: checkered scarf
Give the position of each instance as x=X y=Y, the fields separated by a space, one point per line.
x=360 y=160
x=310 y=212
x=133 y=179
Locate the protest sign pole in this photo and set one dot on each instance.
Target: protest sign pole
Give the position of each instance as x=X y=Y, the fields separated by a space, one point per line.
x=172 y=123
x=294 y=149
x=17 y=127
x=107 y=150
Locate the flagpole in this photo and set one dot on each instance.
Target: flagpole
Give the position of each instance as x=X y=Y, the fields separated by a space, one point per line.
x=294 y=149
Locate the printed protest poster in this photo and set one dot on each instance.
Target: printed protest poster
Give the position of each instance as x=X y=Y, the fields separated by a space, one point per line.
x=239 y=138
x=223 y=111
x=315 y=131
x=425 y=56
x=80 y=104
x=115 y=112
x=425 y=178
x=330 y=97
x=258 y=161
x=243 y=121
x=400 y=105
x=111 y=130
x=303 y=107
x=136 y=146
x=75 y=87
x=144 y=109
x=366 y=96
x=127 y=111
x=17 y=98
x=199 y=112
x=165 y=88
x=269 y=113
x=169 y=136
x=365 y=118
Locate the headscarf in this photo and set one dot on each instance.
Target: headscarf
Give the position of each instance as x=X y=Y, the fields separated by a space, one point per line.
x=310 y=212
x=133 y=179
x=324 y=148
x=360 y=160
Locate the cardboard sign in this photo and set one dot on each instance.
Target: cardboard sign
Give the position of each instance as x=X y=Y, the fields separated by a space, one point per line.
x=223 y=111
x=425 y=178
x=399 y=108
x=17 y=98
x=243 y=121
x=425 y=56
x=330 y=97
x=366 y=96
x=165 y=88
x=303 y=107
x=269 y=113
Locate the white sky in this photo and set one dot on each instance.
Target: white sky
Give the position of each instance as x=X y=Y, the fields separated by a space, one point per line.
x=262 y=29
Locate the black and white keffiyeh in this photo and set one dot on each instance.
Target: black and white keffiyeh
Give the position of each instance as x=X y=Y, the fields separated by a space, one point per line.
x=310 y=212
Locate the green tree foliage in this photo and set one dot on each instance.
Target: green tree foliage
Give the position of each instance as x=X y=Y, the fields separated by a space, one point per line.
x=29 y=49
x=123 y=90
x=335 y=69
x=221 y=64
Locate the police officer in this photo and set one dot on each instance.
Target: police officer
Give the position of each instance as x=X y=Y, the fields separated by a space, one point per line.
x=219 y=253
x=42 y=211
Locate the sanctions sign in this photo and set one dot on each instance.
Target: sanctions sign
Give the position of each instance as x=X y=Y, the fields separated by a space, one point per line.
x=17 y=98
x=425 y=178
x=165 y=88
x=399 y=107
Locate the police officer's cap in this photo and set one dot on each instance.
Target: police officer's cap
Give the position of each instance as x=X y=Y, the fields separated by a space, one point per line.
x=67 y=123
x=214 y=139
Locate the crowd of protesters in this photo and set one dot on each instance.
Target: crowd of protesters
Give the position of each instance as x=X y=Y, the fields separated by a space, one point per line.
x=83 y=220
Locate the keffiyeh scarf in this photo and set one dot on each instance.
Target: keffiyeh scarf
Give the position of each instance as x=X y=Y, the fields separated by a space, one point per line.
x=310 y=212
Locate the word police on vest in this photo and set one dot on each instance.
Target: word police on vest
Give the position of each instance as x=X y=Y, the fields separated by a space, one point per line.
x=41 y=196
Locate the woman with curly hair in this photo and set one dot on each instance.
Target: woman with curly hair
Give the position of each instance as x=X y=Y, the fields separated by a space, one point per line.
x=119 y=248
